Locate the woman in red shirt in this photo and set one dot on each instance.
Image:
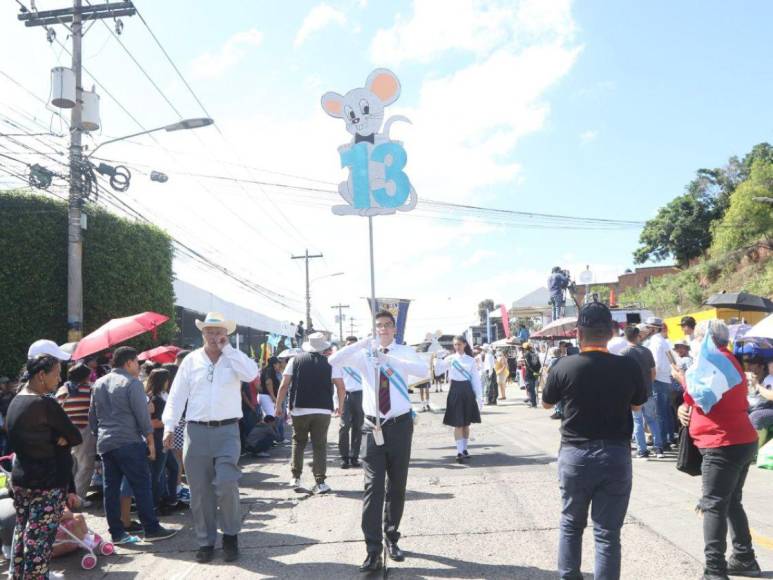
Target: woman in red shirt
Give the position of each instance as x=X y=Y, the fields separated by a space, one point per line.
x=728 y=442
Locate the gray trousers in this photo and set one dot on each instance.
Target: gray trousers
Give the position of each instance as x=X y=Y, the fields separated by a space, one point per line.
x=351 y=423
x=386 y=474
x=83 y=461
x=211 y=456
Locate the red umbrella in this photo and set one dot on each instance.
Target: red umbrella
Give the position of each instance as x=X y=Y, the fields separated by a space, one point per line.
x=117 y=331
x=161 y=354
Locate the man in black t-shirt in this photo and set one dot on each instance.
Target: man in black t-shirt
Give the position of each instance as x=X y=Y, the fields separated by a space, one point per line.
x=598 y=391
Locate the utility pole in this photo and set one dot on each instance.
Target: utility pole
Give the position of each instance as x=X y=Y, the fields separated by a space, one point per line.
x=74 y=17
x=352 y=324
x=307 y=257
x=340 y=320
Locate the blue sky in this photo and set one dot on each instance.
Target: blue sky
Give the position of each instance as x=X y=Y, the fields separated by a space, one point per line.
x=598 y=109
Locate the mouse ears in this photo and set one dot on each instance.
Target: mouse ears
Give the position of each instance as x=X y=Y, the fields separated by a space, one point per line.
x=383 y=83
x=333 y=104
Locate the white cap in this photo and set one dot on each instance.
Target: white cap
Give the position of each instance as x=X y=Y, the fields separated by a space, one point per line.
x=47 y=347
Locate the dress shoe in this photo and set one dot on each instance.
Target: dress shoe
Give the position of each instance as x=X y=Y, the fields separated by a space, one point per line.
x=395 y=553
x=205 y=554
x=345 y=463
x=373 y=563
x=355 y=462
x=230 y=548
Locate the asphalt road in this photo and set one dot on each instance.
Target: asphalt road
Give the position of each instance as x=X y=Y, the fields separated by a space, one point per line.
x=496 y=517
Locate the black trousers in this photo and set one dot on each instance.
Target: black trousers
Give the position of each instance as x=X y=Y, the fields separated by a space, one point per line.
x=724 y=472
x=351 y=426
x=492 y=392
x=386 y=474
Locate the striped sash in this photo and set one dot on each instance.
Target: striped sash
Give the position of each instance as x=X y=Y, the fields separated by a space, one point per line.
x=464 y=372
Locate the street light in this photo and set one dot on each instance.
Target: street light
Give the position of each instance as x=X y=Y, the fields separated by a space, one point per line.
x=179 y=126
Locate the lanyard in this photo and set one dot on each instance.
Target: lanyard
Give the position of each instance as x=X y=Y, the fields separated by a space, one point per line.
x=594 y=349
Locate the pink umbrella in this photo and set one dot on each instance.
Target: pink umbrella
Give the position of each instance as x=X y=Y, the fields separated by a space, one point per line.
x=161 y=354
x=117 y=331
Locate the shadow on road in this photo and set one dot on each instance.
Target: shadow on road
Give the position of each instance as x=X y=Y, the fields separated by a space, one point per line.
x=495 y=459
x=410 y=495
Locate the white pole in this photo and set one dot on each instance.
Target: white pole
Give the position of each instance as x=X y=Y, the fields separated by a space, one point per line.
x=373 y=317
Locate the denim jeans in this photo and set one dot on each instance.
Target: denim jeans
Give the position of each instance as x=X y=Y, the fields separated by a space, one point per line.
x=172 y=475
x=723 y=474
x=662 y=393
x=648 y=413
x=595 y=475
x=531 y=388
x=158 y=468
x=130 y=461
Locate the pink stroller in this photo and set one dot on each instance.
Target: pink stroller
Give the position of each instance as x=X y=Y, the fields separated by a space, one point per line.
x=68 y=539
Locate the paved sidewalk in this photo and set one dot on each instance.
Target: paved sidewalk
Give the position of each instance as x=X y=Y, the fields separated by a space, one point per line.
x=495 y=517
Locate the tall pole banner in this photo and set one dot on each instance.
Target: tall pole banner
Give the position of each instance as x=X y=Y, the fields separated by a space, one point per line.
x=377 y=184
x=398 y=307
x=505 y=320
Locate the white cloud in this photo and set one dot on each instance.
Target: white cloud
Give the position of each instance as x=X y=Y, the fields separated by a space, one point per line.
x=317 y=19
x=478 y=27
x=588 y=136
x=477 y=257
x=210 y=65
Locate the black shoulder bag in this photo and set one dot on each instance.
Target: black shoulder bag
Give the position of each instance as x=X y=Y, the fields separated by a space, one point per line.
x=689 y=459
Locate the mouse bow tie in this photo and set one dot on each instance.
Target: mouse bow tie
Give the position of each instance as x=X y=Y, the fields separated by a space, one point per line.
x=362 y=138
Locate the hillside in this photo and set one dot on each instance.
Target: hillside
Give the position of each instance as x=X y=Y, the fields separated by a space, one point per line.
x=749 y=269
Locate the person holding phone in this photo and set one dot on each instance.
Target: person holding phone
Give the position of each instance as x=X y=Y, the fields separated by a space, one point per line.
x=209 y=383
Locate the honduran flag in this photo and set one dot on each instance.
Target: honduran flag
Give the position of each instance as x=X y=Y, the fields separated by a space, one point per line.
x=712 y=375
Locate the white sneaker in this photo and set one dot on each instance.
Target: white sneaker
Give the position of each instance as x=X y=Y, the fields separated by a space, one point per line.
x=321 y=488
x=295 y=483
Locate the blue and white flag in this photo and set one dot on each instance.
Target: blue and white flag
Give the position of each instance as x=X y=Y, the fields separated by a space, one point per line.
x=712 y=375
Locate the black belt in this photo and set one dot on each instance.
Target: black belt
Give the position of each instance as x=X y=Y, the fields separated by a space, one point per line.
x=215 y=423
x=396 y=419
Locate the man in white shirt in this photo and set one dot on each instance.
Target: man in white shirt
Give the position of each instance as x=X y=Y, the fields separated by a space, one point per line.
x=490 y=374
x=352 y=417
x=688 y=328
x=661 y=387
x=309 y=380
x=387 y=449
x=209 y=383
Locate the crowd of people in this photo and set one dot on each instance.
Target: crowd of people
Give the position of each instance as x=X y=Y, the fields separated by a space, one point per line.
x=134 y=431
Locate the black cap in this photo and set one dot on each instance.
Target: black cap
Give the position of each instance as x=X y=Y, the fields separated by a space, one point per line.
x=594 y=314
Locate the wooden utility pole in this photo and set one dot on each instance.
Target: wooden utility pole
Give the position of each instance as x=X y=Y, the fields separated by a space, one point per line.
x=340 y=320
x=74 y=17
x=307 y=257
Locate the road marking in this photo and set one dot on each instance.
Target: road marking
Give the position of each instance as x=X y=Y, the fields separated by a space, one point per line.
x=763 y=541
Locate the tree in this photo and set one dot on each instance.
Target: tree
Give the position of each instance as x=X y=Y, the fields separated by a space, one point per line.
x=484 y=307
x=747 y=220
x=680 y=229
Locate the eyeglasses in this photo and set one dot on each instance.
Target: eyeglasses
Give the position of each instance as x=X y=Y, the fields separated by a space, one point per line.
x=385 y=325
x=211 y=372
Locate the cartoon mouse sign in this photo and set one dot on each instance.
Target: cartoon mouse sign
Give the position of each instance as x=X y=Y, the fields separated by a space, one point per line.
x=377 y=184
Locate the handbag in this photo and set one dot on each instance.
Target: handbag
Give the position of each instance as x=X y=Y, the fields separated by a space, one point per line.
x=689 y=459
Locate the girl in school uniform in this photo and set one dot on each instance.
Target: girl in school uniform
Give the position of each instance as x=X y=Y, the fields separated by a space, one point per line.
x=465 y=396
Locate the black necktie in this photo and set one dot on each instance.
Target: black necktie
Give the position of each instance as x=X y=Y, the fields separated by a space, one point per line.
x=384 y=404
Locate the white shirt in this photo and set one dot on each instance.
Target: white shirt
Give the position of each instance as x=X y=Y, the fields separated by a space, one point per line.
x=660 y=348
x=352 y=378
x=617 y=345
x=403 y=362
x=488 y=362
x=454 y=374
x=212 y=391
x=299 y=411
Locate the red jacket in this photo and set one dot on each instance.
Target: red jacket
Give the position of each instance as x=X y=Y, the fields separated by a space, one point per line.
x=728 y=421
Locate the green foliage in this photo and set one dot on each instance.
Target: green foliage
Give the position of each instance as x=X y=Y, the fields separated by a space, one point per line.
x=680 y=229
x=603 y=292
x=127 y=269
x=684 y=228
x=746 y=220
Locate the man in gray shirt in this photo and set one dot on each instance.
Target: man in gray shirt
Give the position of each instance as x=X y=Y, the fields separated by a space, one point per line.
x=648 y=412
x=119 y=417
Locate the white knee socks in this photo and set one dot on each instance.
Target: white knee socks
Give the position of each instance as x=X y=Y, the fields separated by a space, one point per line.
x=460 y=445
x=464 y=444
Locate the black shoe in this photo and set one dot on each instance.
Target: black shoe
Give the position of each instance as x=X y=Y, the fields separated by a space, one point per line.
x=395 y=553
x=354 y=462
x=466 y=454
x=714 y=576
x=736 y=567
x=161 y=533
x=135 y=528
x=459 y=457
x=555 y=416
x=373 y=563
x=205 y=554
x=345 y=463
x=230 y=548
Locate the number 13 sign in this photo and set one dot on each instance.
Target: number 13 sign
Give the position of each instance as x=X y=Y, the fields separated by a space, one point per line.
x=377 y=184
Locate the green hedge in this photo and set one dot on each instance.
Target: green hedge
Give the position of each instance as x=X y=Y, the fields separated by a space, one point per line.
x=127 y=268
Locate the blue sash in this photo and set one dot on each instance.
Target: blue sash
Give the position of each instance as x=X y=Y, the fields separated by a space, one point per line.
x=462 y=370
x=397 y=381
x=353 y=374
